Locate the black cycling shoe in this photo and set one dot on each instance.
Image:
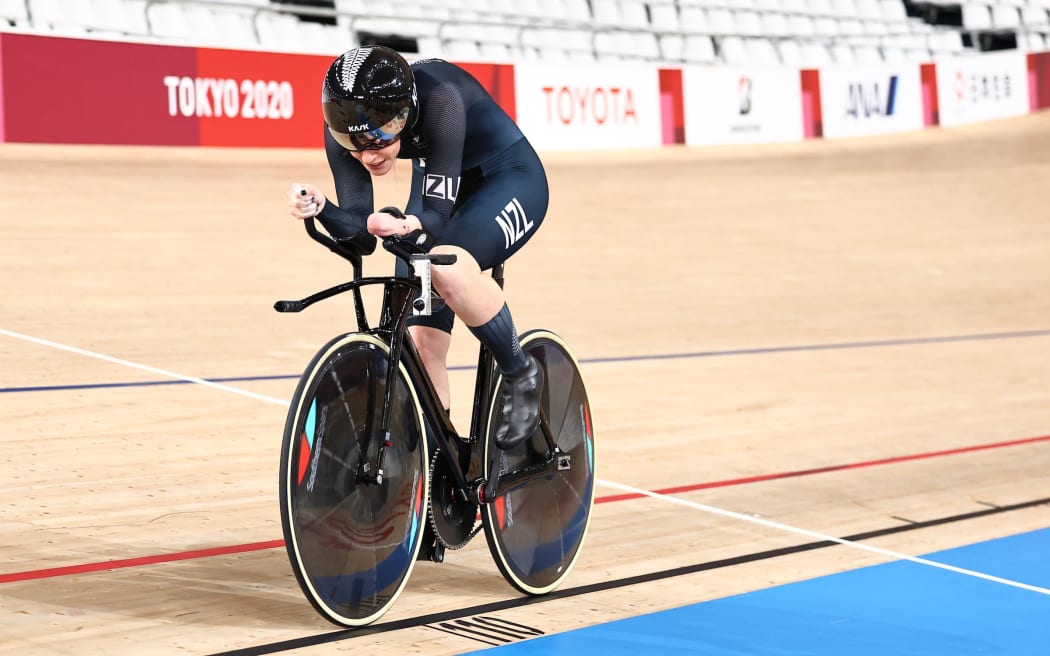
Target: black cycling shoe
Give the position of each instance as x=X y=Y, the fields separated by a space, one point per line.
x=519 y=403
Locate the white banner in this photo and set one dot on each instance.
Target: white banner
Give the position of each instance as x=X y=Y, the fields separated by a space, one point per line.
x=870 y=100
x=580 y=106
x=982 y=87
x=737 y=105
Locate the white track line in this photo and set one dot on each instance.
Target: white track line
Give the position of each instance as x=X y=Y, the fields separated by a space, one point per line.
x=820 y=536
x=619 y=486
x=135 y=365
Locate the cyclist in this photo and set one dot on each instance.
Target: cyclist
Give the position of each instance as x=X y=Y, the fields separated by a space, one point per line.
x=478 y=191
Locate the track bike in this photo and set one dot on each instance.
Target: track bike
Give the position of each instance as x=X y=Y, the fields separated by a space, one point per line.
x=374 y=476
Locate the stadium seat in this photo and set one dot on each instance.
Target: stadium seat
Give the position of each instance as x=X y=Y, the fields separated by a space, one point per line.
x=893 y=11
x=842 y=53
x=1032 y=42
x=762 y=52
x=72 y=19
x=236 y=27
x=463 y=49
x=693 y=19
x=278 y=32
x=14 y=12
x=826 y=26
x=664 y=16
x=672 y=47
x=733 y=50
x=646 y=45
x=1005 y=17
x=844 y=8
x=790 y=52
x=945 y=42
x=976 y=17
x=815 y=54
x=721 y=21
x=1035 y=16
x=801 y=25
x=799 y=7
x=867 y=54
x=118 y=16
x=168 y=20
x=748 y=23
x=699 y=48
x=606 y=13
x=820 y=7
x=634 y=14
x=775 y=23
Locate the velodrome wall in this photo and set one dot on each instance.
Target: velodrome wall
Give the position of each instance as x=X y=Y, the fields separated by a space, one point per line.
x=78 y=91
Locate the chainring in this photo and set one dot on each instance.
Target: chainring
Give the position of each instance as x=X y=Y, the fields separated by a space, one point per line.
x=451 y=518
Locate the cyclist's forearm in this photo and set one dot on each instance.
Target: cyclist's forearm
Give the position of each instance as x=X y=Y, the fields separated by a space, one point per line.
x=431 y=221
x=341 y=223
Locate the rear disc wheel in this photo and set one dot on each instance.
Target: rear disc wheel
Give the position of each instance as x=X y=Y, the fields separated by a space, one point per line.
x=535 y=532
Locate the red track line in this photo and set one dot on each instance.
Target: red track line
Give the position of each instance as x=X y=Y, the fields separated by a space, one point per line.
x=273 y=544
x=823 y=470
x=135 y=562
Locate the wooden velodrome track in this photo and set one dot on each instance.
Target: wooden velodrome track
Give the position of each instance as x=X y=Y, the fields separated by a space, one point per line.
x=846 y=339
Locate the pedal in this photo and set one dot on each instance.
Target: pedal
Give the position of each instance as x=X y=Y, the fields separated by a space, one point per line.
x=438 y=554
x=434 y=552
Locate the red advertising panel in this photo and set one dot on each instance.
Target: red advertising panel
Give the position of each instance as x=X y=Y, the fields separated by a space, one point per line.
x=254 y=98
x=672 y=105
x=812 y=114
x=1039 y=80
x=498 y=80
x=59 y=90
x=930 y=104
x=2 y=139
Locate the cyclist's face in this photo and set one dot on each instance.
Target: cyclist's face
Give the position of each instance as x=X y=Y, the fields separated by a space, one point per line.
x=378 y=161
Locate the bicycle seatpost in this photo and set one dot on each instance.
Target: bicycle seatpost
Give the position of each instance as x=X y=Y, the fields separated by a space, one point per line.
x=421 y=264
x=422 y=306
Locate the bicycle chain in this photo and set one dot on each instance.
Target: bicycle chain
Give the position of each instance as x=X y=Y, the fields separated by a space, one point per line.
x=449 y=542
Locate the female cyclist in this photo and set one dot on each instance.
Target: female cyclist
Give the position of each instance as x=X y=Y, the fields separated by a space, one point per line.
x=478 y=191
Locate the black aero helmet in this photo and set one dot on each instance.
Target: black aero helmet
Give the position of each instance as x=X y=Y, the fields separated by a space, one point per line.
x=367 y=97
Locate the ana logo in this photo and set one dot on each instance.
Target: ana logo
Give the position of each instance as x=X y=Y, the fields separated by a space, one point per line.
x=743 y=91
x=438 y=186
x=866 y=100
x=513 y=222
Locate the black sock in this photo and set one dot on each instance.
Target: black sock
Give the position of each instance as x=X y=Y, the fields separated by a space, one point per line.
x=499 y=335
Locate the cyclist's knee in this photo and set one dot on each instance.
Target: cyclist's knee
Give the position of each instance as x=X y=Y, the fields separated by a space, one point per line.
x=456 y=281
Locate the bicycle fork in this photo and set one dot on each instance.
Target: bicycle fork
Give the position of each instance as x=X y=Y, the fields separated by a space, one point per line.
x=399 y=299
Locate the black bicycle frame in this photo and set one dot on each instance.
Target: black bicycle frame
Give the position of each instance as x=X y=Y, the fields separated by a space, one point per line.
x=394 y=314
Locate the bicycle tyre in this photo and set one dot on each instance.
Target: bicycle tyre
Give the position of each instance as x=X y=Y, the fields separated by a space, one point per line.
x=352 y=545
x=535 y=533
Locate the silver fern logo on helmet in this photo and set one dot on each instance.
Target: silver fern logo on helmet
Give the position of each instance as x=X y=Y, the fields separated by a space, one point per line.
x=349 y=73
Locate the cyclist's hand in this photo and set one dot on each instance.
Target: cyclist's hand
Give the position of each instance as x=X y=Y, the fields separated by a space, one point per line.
x=382 y=224
x=305 y=201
